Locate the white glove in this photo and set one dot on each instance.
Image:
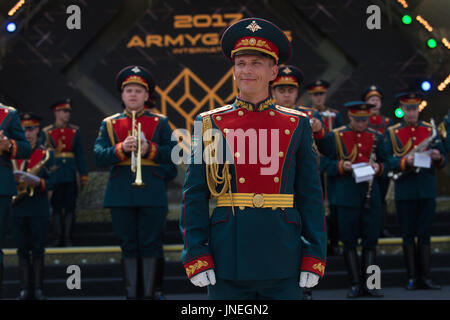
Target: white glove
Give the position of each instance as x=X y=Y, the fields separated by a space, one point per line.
x=308 y=279
x=204 y=278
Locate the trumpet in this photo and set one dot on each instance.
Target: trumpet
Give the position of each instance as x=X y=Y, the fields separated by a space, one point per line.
x=24 y=189
x=136 y=165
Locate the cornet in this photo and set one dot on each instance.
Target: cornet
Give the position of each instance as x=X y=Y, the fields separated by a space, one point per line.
x=136 y=166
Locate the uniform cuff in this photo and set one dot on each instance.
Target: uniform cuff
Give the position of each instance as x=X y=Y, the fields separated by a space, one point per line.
x=440 y=163
x=119 y=152
x=320 y=134
x=198 y=265
x=13 y=148
x=403 y=164
x=313 y=265
x=153 y=151
x=341 y=167
x=43 y=185
x=380 y=173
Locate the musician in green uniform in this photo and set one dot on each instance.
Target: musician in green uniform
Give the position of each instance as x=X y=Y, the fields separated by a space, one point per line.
x=416 y=151
x=357 y=201
x=374 y=95
x=136 y=189
x=65 y=139
x=13 y=145
x=31 y=210
x=266 y=236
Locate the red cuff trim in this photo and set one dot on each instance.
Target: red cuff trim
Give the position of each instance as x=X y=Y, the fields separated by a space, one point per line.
x=313 y=265
x=320 y=134
x=119 y=152
x=380 y=173
x=153 y=151
x=198 y=265
x=13 y=148
x=341 y=167
x=403 y=164
x=43 y=185
x=440 y=162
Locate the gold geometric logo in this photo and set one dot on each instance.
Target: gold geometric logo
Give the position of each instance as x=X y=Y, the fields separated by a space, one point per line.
x=211 y=97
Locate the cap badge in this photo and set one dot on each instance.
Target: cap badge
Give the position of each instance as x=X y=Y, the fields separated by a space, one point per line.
x=253 y=27
x=287 y=70
x=136 y=70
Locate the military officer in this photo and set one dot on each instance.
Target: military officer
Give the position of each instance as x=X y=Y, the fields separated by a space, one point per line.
x=317 y=92
x=358 y=204
x=415 y=187
x=65 y=139
x=13 y=145
x=30 y=214
x=138 y=210
x=267 y=231
x=374 y=95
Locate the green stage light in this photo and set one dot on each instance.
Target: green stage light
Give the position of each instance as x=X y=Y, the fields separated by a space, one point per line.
x=399 y=113
x=431 y=43
x=406 y=19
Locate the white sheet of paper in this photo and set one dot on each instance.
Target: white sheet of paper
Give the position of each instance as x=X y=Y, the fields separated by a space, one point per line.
x=25 y=176
x=362 y=172
x=422 y=159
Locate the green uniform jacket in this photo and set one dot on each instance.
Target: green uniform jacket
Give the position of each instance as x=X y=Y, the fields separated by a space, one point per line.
x=108 y=153
x=342 y=188
x=38 y=204
x=412 y=185
x=67 y=141
x=21 y=149
x=255 y=243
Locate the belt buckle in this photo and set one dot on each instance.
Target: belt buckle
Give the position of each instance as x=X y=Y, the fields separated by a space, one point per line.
x=258 y=200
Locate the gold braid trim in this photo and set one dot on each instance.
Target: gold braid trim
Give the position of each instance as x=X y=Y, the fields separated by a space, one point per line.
x=340 y=149
x=398 y=151
x=442 y=130
x=212 y=164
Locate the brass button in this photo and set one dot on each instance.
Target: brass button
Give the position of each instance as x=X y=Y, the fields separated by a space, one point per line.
x=240 y=113
x=241 y=180
x=276 y=179
x=218 y=118
x=237 y=154
x=359 y=145
x=413 y=129
x=281 y=154
x=274 y=208
x=114 y=121
x=225 y=130
x=287 y=131
x=414 y=138
x=272 y=113
x=358 y=135
x=258 y=200
x=360 y=154
x=292 y=119
x=241 y=208
x=156 y=119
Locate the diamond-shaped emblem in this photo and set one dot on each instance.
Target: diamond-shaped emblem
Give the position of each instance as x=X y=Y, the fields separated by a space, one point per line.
x=287 y=70
x=373 y=88
x=253 y=27
x=136 y=70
